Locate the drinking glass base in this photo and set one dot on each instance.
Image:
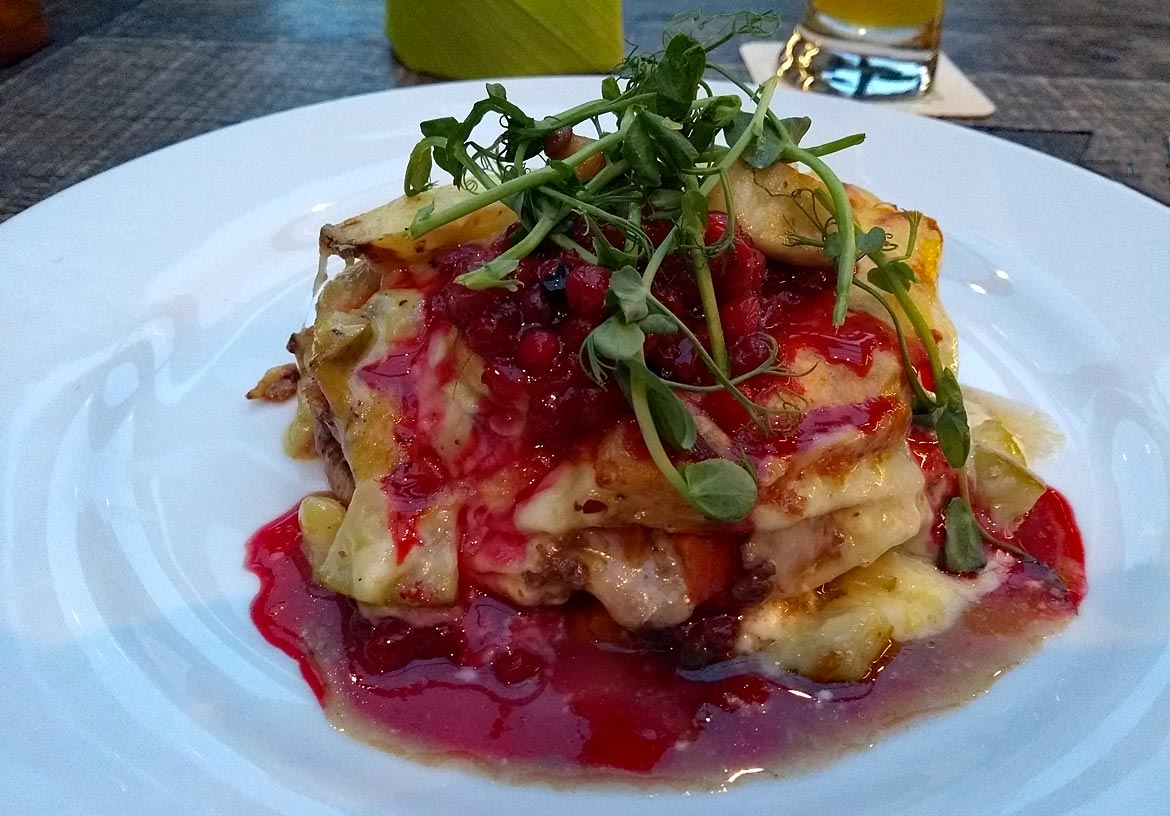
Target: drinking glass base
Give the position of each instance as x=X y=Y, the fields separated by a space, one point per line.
x=815 y=61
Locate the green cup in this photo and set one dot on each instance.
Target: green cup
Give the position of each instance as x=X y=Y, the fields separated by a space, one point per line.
x=464 y=39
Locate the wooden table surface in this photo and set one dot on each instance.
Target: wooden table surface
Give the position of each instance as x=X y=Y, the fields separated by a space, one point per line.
x=1086 y=81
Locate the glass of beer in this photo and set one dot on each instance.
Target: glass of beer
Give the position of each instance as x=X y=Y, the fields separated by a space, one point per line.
x=865 y=49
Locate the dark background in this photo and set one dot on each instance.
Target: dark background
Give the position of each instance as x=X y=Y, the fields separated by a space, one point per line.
x=1086 y=81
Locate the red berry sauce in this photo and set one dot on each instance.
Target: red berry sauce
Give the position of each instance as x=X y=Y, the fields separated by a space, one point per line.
x=563 y=692
x=548 y=691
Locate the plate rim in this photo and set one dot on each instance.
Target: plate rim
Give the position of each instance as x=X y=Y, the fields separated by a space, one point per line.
x=235 y=130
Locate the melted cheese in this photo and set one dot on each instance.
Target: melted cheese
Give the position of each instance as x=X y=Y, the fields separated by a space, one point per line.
x=832 y=511
x=382 y=233
x=882 y=475
x=557 y=508
x=836 y=635
x=353 y=552
x=819 y=549
x=641 y=583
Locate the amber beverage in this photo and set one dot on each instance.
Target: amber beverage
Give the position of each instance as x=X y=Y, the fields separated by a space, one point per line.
x=868 y=49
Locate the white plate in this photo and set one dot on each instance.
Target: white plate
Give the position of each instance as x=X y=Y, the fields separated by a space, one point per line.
x=138 y=307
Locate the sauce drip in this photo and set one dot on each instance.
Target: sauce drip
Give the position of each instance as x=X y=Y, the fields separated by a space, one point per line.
x=546 y=690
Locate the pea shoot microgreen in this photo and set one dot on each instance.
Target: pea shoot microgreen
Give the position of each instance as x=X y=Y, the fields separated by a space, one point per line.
x=963 y=550
x=667 y=141
x=943 y=409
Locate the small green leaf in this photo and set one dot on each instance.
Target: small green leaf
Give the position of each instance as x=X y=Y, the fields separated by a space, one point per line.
x=766 y=149
x=610 y=256
x=871 y=241
x=948 y=390
x=454 y=156
x=418 y=168
x=609 y=89
x=675 y=80
x=607 y=254
x=665 y=202
x=963 y=549
x=445 y=126
x=519 y=203
x=762 y=151
x=720 y=489
x=723 y=109
x=673 y=145
x=796 y=127
x=903 y=272
x=627 y=294
x=832 y=245
x=883 y=276
x=454 y=136
x=657 y=324
x=616 y=340
x=672 y=418
x=717 y=113
x=563 y=171
x=492 y=275
x=638 y=150
x=738 y=125
x=950 y=420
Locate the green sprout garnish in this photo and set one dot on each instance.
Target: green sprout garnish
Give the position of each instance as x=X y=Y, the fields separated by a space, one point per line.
x=941 y=409
x=674 y=143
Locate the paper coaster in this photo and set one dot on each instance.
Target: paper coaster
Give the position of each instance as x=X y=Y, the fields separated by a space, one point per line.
x=951 y=94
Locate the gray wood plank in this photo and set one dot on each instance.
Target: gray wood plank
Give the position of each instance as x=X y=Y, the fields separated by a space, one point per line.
x=42 y=155
x=1089 y=52
x=116 y=78
x=307 y=21
x=68 y=20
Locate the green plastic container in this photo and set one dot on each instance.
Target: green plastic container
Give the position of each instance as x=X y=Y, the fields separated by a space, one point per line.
x=465 y=39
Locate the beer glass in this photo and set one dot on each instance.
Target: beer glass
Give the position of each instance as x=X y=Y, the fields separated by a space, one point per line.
x=866 y=49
